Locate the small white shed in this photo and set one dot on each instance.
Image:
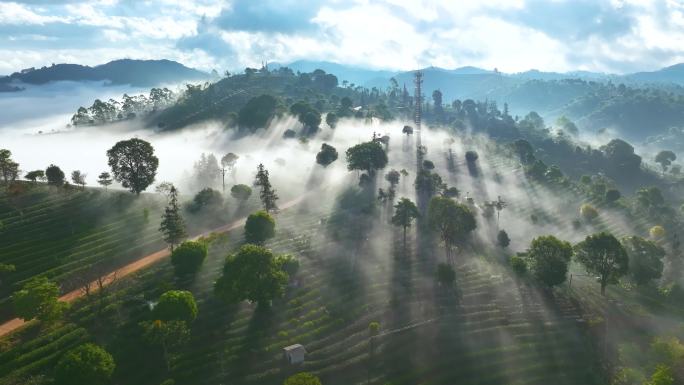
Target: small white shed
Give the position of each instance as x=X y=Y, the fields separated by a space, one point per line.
x=294 y=354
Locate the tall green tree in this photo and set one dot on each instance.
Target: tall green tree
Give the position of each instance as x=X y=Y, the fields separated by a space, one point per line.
x=227 y=166
x=85 y=364
x=369 y=156
x=603 y=255
x=104 y=179
x=452 y=220
x=268 y=194
x=549 y=259
x=259 y=227
x=38 y=298
x=252 y=274
x=172 y=225
x=79 y=178
x=54 y=175
x=9 y=169
x=405 y=212
x=133 y=164
x=645 y=259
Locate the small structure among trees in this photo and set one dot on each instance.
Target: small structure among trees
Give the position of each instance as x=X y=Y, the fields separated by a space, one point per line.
x=294 y=354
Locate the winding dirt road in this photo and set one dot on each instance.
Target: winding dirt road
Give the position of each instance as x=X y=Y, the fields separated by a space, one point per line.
x=16 y=323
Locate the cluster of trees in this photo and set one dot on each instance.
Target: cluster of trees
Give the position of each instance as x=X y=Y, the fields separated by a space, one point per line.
x=128 y=108
x=603 y=256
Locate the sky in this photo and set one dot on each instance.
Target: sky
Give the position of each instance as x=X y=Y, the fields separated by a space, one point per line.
x=617 y=36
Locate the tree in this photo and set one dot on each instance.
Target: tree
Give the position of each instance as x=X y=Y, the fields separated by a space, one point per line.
x=645 y=259
x=5 y=269
x=227 y=165
x=268 y=195
x=331 y=119
x=612 y=195
x=662 y=376
x=656 y=232
x=452 y=220
x=369 y=156
x=85 y=364
x=104 y=179
x=327 y=155
x=502 y=239
x=257 y=113
x=207 y=170
x=588 y=212
x=549 y=257
x=172 y=225
x=9 y=169
x=176 y=305
x=207 y=197
x=167 y=334
x=445 y=274
x=428 y=182
x=524 y=150
x=133 y=164
x=471 y=156
x=665 y=159
x=54 y=175
x=35 y=175
x=499 y=205
x=241 y=192
x=78 y=178
x=405 y=212
x=251 y=274
x=603 y=255
x=38 y=298
x=408 y=130
x=188 y=257
x=259 y=227
x=518 y=264
x=302 y=379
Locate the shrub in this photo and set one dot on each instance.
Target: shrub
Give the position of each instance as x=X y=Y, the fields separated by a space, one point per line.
x=657 y=232
x=241 y=192
x=374 y=328
x=208 y=197
x=188 y=257
x=518 y=264
x=588 y=212
x=502 y=239
x=302 y=379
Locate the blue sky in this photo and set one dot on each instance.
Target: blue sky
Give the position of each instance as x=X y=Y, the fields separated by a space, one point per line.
x=511 y=35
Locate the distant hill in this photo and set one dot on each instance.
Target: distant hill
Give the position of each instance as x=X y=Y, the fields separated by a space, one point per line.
x=673 y=74
x=139 y=73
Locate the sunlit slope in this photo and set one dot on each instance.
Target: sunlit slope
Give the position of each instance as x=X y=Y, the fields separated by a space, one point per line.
x=63 y=234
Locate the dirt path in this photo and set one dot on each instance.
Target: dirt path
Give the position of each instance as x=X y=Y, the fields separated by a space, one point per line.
x=137 y=265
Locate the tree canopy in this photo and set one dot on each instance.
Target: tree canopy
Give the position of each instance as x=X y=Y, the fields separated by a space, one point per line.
x=549 y=259
x=38 y=298
x=327 y=155
x=241 y=192
x=176 y=305
x=85 y=364
x=302 y=379
x=603 y=255
x=133 y=164
x=369 y=156
x=452 y=220
x=188 y=257
x=257 y=113
x=259 y=227
x=645 y=259
x=251 y=274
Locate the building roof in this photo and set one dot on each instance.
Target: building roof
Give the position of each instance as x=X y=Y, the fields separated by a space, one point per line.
x=294 y=347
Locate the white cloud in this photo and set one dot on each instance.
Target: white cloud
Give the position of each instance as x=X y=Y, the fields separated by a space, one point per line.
x=14 y=13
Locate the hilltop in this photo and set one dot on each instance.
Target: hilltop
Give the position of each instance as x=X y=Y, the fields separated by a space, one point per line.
x=140 y=73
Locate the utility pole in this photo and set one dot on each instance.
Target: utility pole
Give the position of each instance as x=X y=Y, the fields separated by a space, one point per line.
x=418 y=101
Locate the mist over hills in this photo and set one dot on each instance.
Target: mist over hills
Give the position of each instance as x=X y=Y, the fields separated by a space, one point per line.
x=138 y=73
